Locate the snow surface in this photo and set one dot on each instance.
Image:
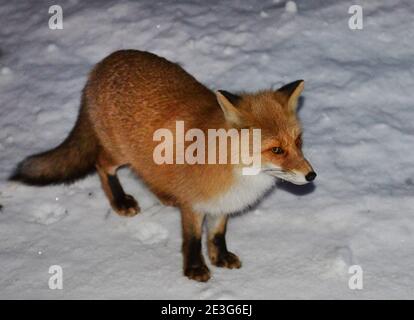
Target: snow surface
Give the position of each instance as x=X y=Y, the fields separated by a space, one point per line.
x=300 y=241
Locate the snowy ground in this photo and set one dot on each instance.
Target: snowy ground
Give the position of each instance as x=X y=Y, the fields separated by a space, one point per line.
x=299 y=243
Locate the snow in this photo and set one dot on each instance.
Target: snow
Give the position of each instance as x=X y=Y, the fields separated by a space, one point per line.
x=357 y=115
x=291 y=7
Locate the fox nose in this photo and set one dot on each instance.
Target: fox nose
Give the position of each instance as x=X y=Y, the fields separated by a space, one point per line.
x=310 y=176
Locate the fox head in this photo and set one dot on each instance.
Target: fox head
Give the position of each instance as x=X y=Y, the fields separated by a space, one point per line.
x=274 y=113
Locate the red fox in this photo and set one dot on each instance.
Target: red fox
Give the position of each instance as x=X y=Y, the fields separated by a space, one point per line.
x=128 y=96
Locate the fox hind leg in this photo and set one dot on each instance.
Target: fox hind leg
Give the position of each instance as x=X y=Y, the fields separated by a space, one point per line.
x=122 y=203
x=217 y=248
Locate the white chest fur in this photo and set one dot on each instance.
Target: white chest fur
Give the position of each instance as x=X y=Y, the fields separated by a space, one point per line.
x=246 y=191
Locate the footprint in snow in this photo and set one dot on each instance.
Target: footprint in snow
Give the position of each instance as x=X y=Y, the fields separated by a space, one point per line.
x=48 y=213
x=337 y=261
x=148 y=232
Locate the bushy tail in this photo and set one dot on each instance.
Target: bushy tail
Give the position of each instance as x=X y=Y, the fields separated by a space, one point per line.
x=73 y=159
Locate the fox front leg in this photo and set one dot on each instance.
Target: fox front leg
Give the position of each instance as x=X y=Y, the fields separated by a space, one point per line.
x=194 y=265
x=217 y=248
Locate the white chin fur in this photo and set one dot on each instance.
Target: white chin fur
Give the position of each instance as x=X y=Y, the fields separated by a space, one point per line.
x=247 y=190
x=297 y=180
x=294 y=177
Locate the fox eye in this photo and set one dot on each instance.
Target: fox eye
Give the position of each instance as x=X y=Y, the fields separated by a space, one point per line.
x=277 y=150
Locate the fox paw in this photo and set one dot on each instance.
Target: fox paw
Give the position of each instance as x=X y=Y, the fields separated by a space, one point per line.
x=227 y=260
x=126 y=206
x=198 y=273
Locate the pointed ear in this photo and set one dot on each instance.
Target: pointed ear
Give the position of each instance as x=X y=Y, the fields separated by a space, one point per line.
x=228 y=102
x=292 y=92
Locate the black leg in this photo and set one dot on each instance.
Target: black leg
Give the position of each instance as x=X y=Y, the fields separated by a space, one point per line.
x=217 y=248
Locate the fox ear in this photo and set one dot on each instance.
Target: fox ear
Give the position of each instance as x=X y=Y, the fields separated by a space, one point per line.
x=292 y=91
x=227 y=102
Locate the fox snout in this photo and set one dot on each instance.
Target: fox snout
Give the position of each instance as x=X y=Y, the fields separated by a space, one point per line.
x=303 y=173
x=300 y=173
x=297 y=177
